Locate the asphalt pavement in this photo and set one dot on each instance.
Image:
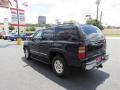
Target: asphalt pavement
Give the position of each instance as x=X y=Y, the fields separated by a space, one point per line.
x=16 y=73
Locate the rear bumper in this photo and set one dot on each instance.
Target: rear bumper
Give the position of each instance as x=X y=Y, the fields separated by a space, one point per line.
x=92 y=64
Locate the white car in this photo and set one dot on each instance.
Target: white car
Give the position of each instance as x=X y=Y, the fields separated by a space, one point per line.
x=6 y=36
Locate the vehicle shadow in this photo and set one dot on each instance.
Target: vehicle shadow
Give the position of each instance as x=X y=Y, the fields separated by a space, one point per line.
x=78 y=80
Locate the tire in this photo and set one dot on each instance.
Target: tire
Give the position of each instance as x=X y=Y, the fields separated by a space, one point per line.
x=27 y=54
x=5 y=38
x=60 y=67
x=12 y=39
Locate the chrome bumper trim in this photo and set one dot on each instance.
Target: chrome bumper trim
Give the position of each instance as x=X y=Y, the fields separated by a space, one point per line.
x=93 y=64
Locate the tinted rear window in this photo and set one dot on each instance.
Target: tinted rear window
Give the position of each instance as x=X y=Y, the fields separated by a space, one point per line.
x=67 y=33
x=89 y=29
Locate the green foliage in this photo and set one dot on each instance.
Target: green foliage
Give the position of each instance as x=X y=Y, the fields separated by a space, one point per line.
x=30 y=29
x=42 y=25
x=47 y=25
x=32 y=25
x=27 y=29
x=70 y=22
x=11 y=28
x=95 y=23
x=36 y=25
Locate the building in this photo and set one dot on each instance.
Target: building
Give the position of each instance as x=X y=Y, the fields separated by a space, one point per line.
x=1 y=27
x=41 y=20
x=5 y=3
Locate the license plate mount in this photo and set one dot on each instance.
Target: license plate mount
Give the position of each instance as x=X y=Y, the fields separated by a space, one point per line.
x=98 y=59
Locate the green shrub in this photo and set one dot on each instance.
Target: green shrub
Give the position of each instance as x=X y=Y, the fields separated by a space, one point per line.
x=11 y=28
x=30 y=29
x=95 y=23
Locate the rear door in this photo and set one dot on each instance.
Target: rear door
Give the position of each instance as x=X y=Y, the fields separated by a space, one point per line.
x=68 y=41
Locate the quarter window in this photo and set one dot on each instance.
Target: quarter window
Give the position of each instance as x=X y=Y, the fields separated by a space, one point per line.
x=67 y=33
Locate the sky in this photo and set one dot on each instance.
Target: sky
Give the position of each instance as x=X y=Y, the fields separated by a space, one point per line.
x=66 y=10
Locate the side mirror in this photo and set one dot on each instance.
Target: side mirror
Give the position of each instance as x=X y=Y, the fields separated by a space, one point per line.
x=30 y=38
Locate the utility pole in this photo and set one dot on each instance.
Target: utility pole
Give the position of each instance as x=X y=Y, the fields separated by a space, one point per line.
x=18 y=18
x=101 y=16
x=97 y=3
x=18 y=39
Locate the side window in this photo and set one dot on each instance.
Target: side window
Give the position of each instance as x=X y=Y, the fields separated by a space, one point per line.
x=47 y=34
x=67 y=33
x=38 y=35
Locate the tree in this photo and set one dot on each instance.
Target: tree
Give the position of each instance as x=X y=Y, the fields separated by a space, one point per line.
x=11 y=28
x=47 y=25
x=70 y=22
x=96 y=23
x=32 y=25
x=30 y=29
x=42 y=25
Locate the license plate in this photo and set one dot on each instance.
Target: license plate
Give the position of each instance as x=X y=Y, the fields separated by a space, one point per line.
x=98 y=59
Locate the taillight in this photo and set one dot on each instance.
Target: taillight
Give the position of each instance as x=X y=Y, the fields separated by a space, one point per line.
x=81 y=52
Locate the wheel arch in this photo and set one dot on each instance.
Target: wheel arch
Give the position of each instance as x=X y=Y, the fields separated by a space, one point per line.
x=25 y=46
x=57 y=53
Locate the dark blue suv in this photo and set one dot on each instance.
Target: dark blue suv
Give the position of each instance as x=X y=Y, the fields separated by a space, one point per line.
x=14 y=37
x=68 y=45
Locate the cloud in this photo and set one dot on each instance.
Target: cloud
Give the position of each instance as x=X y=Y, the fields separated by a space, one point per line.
x=72 y=9
x=116 y=4
x=47 y=2
x=69 y=10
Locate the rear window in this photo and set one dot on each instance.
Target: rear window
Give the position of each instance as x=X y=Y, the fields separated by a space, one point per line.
x=89 y=29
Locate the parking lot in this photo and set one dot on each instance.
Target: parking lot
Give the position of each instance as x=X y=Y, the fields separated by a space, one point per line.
x=16 y=73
